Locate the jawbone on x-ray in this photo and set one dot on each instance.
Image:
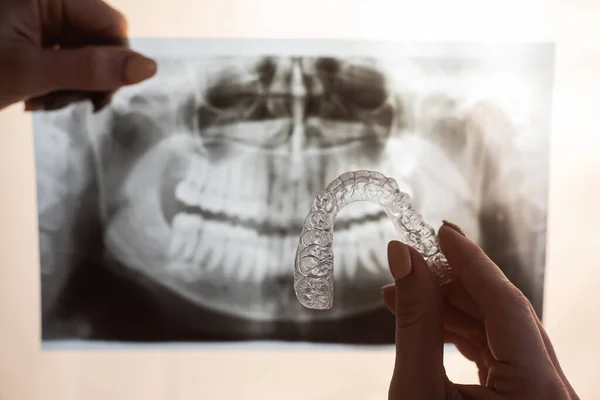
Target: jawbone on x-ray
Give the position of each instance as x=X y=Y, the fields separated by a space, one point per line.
x=175 y=213
x=313 y=268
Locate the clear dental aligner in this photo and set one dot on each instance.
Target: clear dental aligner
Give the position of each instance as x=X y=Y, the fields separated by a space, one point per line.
x=313 y=269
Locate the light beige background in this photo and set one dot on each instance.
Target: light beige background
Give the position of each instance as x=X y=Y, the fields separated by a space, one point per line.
x=573 y=274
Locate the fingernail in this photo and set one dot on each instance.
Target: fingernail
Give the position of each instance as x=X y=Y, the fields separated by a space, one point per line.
x=454 y=227
x=398 y=259
x=35 y=104
x=139 y=68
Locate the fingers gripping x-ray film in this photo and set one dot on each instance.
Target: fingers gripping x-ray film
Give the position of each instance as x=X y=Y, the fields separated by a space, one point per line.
x=313 y=269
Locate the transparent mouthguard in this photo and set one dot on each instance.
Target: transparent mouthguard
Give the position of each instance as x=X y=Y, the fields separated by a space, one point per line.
x=313 y=269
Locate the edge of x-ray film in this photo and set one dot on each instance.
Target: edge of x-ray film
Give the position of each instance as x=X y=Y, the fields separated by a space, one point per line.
x=313 y=269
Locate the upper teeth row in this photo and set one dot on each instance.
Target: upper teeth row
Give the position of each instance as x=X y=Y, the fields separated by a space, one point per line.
x=196 y=190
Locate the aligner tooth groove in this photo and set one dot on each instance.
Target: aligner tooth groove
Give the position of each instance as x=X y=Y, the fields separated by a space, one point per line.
x=313 y=269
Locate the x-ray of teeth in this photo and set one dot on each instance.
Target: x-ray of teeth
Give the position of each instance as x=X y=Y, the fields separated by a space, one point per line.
x=175 y=213
x=313 y=266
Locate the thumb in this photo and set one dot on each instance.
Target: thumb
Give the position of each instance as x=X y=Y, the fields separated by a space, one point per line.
x=90 y=69
x=419 y=370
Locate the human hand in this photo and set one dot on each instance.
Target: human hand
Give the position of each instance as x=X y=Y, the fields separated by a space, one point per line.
x=489 y=320
x=56 y=52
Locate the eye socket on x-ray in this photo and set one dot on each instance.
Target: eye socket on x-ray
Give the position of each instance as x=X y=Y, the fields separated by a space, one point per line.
x=361 y=88
x=234 y=95
x=357 y=85
x=342 y=96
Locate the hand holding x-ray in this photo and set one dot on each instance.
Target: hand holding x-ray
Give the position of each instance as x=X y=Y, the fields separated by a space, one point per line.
x=57 y=52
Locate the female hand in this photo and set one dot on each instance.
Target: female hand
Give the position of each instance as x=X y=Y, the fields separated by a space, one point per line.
x=489 y=320
x=55 y=52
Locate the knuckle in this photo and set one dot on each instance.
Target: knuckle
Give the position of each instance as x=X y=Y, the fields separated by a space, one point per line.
x=519 y=299
x=512 y=300
x=94 y=64
x=409 y=313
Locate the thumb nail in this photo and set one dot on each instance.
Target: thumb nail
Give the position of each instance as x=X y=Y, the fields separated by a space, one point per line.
x=398 y=259
x=139 y=68
x=454 y=227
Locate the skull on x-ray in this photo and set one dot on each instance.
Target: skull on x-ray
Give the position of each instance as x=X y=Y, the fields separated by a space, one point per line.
x=206 y=174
